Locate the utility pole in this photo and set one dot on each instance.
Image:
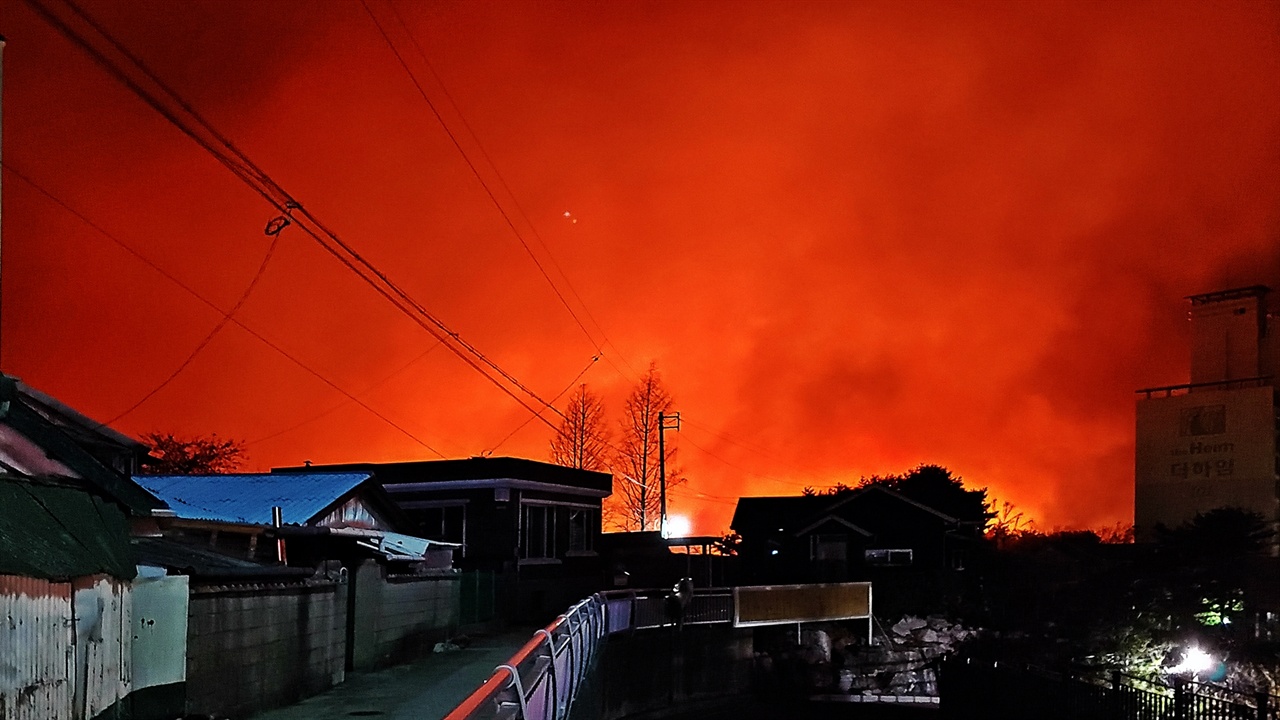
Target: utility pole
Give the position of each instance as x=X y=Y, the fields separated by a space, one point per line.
x=666 y=421
x=1 y=160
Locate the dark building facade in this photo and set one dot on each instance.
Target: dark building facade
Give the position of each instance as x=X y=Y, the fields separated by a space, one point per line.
x=535 y=524
x=848 y=536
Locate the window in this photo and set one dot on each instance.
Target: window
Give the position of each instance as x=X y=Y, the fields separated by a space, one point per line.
x=552 y=530
x=829 y=547
x=581 y=526
x=886 y=556
x=538 y=531
x=447 y=523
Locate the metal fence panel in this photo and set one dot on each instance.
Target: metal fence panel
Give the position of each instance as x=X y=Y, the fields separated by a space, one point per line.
x=37 y=649
x=971 y=688
x=102 y=609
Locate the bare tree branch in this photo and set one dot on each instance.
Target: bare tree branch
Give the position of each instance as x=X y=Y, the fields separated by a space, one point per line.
x=636 y=496
x=582 y=440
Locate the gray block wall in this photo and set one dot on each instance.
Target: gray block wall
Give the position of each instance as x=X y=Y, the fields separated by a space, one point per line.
x=253 y=648
x=401 y=618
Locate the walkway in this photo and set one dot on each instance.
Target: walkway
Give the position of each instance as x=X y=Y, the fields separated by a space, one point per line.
x=422 y=690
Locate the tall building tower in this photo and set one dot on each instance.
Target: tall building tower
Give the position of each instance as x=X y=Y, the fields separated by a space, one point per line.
x=1213 y=442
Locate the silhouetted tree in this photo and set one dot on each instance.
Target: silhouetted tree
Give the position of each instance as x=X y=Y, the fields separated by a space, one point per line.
x=936 y=487
x=1007 y=524
x=582 y=440
x=1204 y=566
x=192 y=455
x=728 y=544
x=636 y=466
x=1221 y=534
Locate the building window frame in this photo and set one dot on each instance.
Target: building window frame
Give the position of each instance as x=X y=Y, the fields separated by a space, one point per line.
x=550 y=530
x=829 y=547
x=452 y=522
x=889 y=557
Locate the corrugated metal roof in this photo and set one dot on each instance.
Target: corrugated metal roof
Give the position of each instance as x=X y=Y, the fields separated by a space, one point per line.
x=58 y=532
x=203 y=562
x=249 y=498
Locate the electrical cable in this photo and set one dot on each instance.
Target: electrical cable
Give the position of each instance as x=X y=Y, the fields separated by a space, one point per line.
x=340 y=405
x=528 y=420
x=147 y=261
x=475 y=171
x=258 y=180
x=738 y=467
x=217 y=328
x=511 y=194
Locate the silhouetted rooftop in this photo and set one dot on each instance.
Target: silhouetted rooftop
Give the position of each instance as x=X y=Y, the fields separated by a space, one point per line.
x=476 y=468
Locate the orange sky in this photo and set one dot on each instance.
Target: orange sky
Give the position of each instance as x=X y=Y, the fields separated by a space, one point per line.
x=854 y=236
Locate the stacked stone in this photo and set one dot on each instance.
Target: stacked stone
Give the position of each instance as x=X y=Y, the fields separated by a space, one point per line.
x=904 y=662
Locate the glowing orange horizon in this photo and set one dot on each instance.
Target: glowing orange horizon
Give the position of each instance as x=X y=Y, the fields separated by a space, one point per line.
x=854 y=238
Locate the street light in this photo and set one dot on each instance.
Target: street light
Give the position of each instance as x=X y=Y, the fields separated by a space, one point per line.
x=1194 y=661
x=677 y=526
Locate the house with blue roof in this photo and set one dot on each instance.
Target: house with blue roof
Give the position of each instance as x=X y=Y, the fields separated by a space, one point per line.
x=316 y=558
x=321 y=498
x=301 y=520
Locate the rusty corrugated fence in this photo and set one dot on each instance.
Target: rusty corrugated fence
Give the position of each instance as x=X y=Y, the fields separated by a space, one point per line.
x=37 y=649
x=65 y=649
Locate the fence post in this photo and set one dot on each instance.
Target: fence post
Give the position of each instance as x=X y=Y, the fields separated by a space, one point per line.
x=1117 y=697
x=1264 y=709
x=1181 y=699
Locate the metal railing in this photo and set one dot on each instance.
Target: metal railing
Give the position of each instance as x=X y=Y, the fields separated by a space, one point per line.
x=543 y=677
x=541 y=681
x=643 y=609
x=998 y=690
x=1235 y=384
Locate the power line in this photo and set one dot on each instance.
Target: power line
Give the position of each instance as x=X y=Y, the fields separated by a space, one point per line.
x=757 y=450
x=737 y=467
x=474 y=170
x=147 y=261
x=261 y=182
x=703 y=497
x=217 y=328
x=560 y=394
x=726 y=438
x=501 y=180
x=335 y=408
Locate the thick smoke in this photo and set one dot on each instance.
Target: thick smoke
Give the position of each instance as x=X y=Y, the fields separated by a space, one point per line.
x=855 y=238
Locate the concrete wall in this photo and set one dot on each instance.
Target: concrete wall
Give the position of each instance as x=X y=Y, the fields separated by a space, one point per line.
x=398 y=619
x=258 y=647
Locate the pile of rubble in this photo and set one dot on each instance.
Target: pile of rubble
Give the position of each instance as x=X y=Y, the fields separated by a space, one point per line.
x=901 y=662
x=836 y=658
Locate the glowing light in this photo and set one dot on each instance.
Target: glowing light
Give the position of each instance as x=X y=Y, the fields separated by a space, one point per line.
x=677 y=526
x=773 y=552
x=1194 y=661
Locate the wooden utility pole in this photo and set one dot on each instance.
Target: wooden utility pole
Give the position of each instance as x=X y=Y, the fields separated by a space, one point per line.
x=666 y=421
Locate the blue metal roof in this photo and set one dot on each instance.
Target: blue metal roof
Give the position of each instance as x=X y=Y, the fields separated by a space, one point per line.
x=249 y=498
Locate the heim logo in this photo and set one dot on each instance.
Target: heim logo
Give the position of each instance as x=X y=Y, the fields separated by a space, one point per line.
x=1203 y=420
